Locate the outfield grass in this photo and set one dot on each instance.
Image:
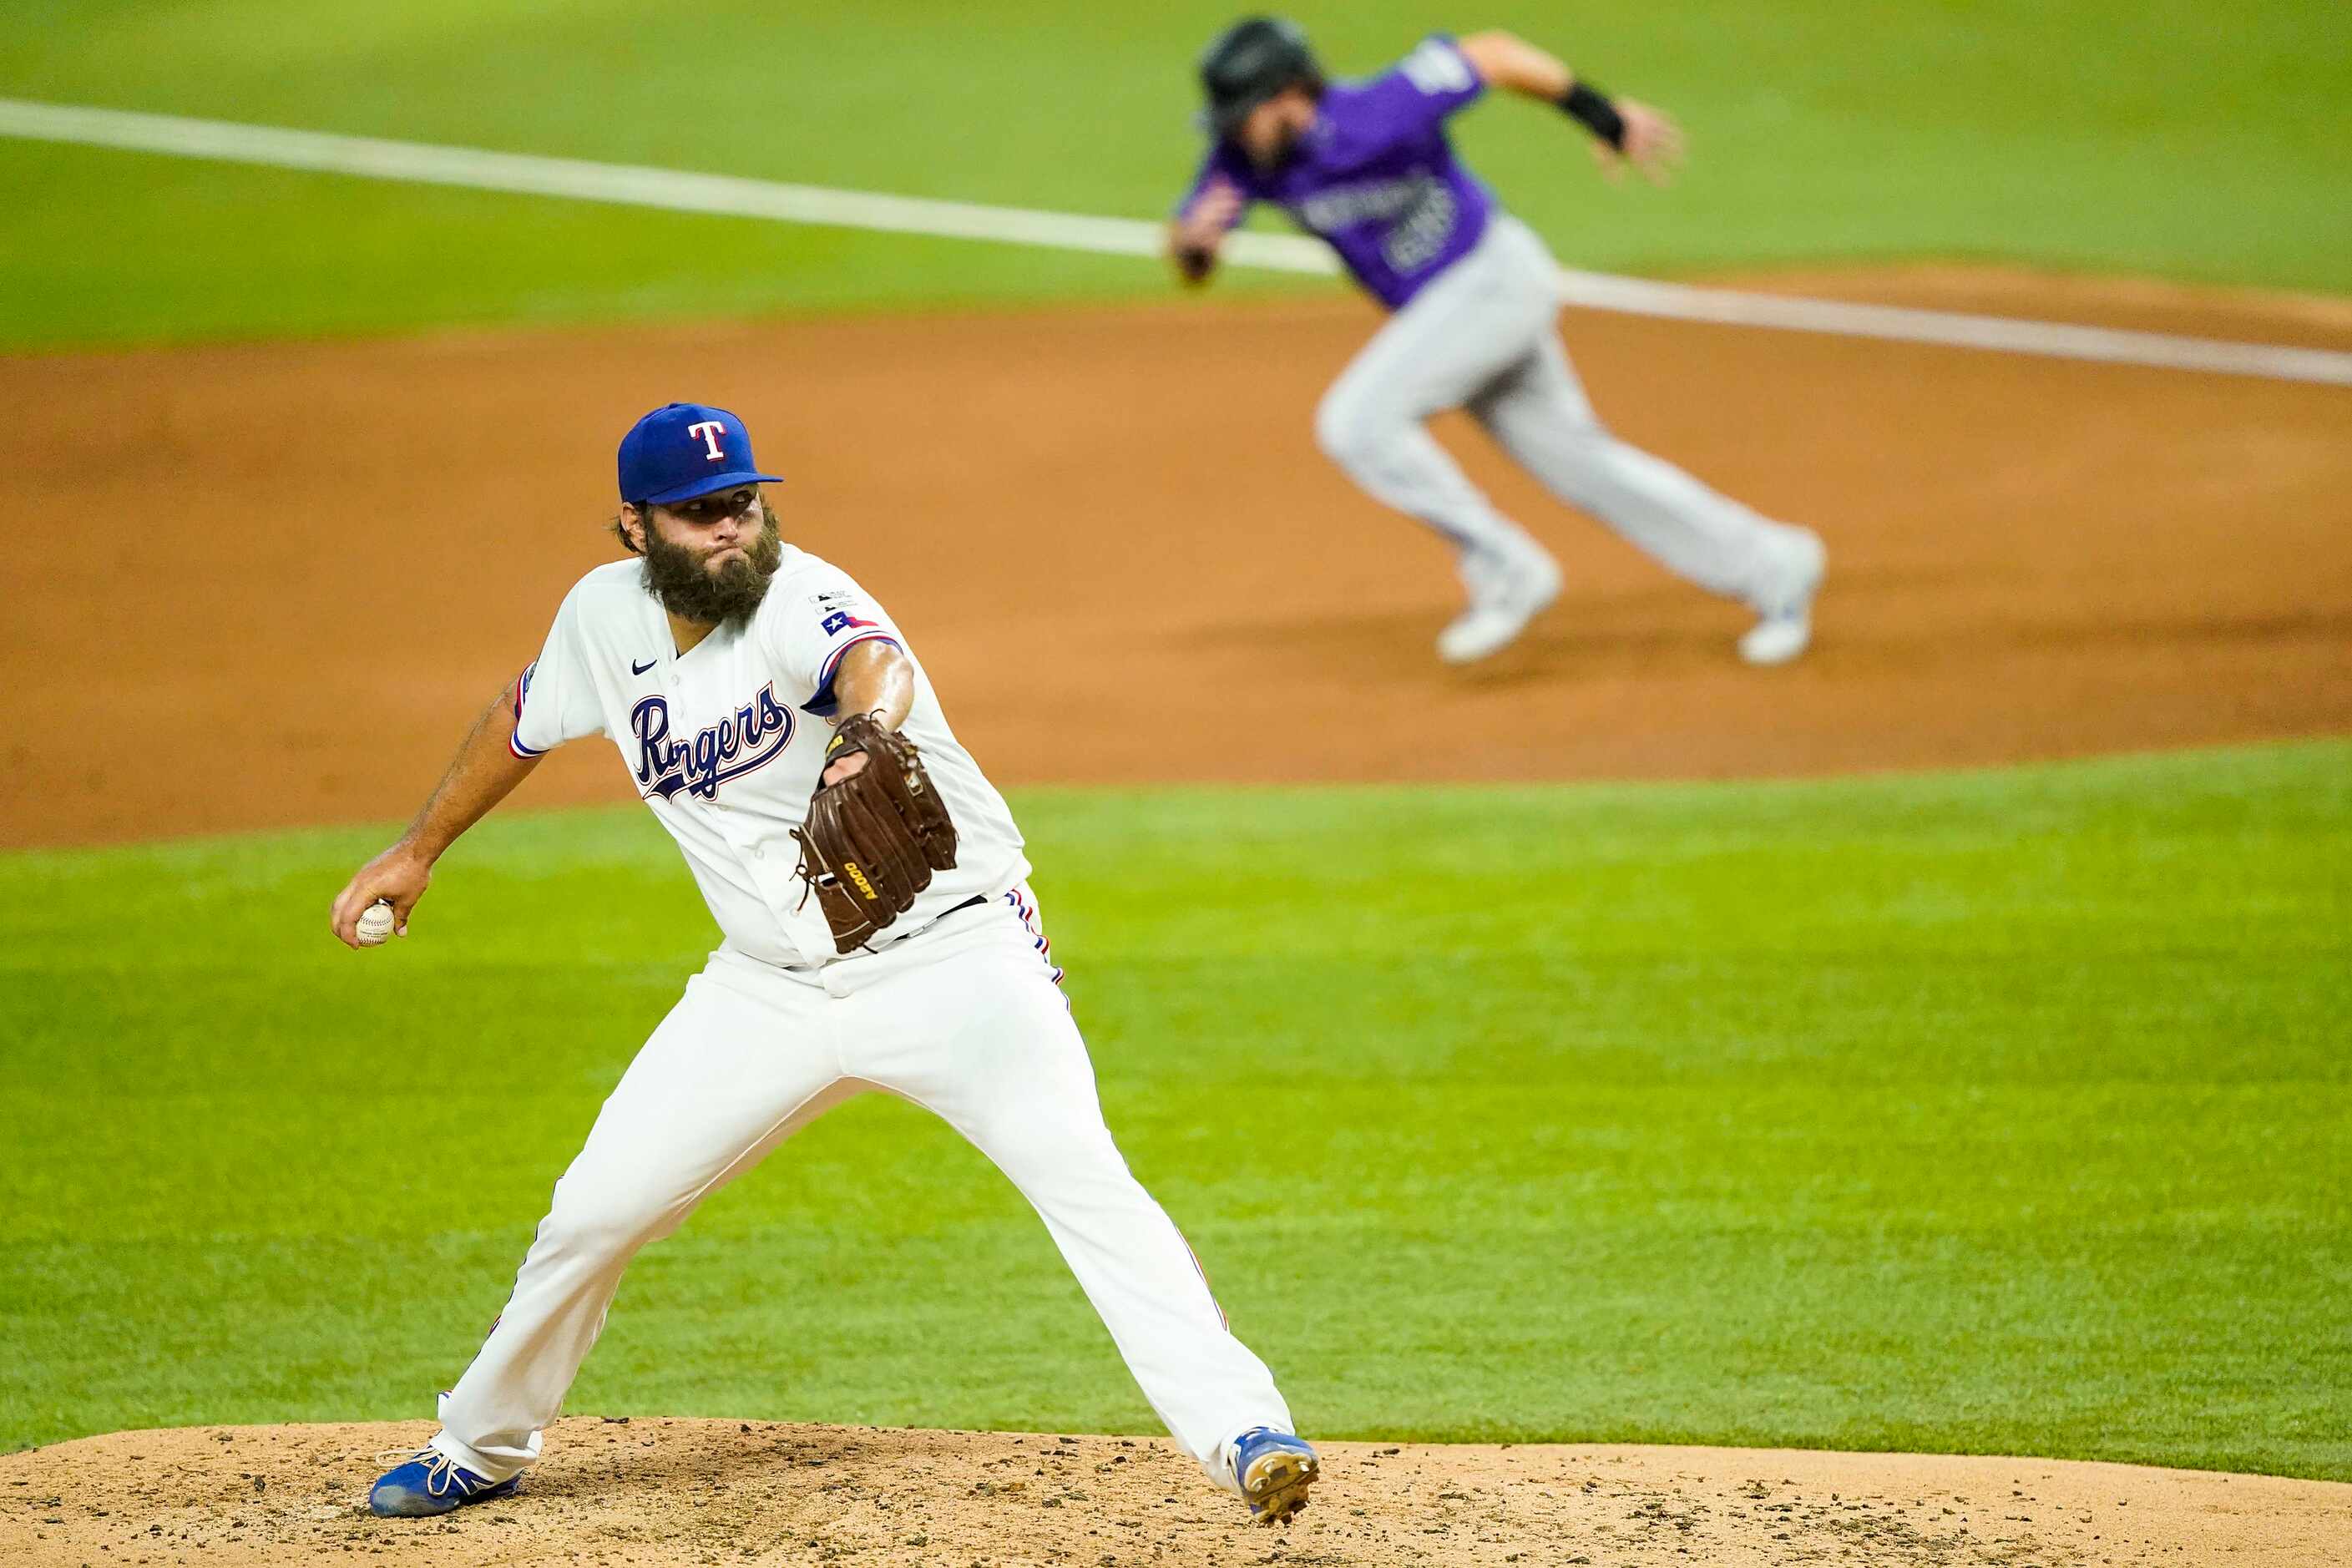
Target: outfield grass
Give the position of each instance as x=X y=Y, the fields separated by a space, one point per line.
x=1989 y=1112
x=2161 y=136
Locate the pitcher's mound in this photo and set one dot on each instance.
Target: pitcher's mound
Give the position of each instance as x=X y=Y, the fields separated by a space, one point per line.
x=678 y=1491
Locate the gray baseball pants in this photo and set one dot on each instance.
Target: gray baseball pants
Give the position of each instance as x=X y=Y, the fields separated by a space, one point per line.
x=1482 y=337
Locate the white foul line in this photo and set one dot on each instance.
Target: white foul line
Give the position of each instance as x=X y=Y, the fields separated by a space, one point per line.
x=680 y=191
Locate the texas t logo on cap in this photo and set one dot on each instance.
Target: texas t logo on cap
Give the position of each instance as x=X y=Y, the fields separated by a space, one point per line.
x=684 y=450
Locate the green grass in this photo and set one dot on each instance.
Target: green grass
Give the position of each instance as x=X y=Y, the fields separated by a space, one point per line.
x=2169 y=137
x=1989 y=1112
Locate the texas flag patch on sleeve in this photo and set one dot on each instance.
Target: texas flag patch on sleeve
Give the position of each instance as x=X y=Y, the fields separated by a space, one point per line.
x=840 y=621
x=840 y=626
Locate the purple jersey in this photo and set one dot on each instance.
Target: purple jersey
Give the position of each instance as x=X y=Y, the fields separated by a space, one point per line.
x=1375 y=177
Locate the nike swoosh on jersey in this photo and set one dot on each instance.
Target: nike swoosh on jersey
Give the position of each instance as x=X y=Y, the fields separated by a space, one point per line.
x=636 y=669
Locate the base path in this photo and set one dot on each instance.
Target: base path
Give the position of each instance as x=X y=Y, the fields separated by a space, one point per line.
x=663 y=1492
x=270 y=584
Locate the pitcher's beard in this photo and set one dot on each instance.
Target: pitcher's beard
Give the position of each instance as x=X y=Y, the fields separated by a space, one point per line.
x=676 y=576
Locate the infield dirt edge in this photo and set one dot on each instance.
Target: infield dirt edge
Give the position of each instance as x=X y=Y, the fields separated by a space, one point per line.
x=2030 y=559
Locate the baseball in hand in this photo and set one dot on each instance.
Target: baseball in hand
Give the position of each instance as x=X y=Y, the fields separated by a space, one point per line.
x=375 y=924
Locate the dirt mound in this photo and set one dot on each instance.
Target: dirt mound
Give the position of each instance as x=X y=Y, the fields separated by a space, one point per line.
x=662 y=1492
x=270 y=584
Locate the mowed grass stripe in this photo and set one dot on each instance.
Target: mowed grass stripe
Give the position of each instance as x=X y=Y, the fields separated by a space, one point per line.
x=1999 y=1111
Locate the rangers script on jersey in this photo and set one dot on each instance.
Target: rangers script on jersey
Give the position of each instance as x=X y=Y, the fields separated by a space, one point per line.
x=726 y=743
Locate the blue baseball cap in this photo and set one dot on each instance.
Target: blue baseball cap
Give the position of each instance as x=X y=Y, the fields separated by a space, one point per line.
x=686 y=450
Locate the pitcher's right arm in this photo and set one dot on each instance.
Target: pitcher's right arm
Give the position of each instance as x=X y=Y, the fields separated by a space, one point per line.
x=484 y=772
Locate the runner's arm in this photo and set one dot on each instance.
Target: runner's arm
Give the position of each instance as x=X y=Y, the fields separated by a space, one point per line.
x=1198 y=232
x=1508 y=61
x=1625 y=131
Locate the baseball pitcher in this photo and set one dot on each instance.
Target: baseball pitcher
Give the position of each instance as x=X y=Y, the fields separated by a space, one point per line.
x=1474 y=296
x=878 y=932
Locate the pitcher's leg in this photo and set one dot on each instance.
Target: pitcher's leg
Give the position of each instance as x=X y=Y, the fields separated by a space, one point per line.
x=1140 y=1273
x=723 y=1079
x=1540 y=414
x=1003 y=1063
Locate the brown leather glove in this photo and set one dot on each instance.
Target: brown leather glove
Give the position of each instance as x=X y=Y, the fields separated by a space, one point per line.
x=872 y=841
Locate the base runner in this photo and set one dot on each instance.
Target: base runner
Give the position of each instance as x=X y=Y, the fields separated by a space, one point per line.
x=1366 y=166
x=878 y=933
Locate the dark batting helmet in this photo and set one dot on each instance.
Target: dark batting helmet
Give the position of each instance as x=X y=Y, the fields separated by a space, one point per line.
x=1250 y=62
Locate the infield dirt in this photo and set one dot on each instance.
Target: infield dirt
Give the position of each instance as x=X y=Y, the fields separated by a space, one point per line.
x=268 y=584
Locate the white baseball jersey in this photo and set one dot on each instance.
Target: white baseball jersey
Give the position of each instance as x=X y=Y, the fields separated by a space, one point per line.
x=726 y=743
x=966 y=1019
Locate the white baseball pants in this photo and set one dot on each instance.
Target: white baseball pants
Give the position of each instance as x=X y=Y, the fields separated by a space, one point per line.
x=964 y=1018
x=1482 y=337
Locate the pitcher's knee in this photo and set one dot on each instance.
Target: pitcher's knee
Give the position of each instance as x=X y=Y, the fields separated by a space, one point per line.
x=1061 y=1158
x=605 y=1224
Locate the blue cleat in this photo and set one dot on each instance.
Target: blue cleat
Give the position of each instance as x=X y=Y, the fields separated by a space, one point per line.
x=1274 y=1471
x=431 y=1483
